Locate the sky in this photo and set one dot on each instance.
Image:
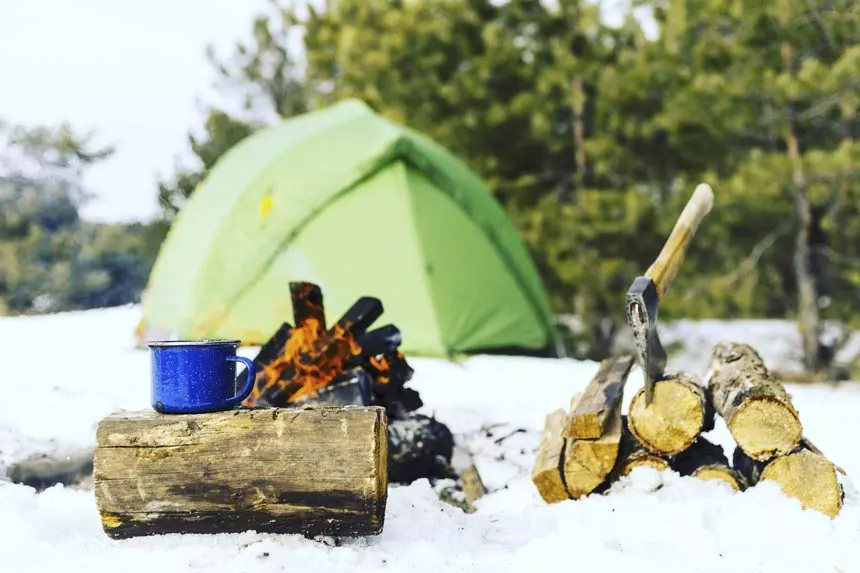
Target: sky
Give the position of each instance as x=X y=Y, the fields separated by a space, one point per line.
x=135 y=73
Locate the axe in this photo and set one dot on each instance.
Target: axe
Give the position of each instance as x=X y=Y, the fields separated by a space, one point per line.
x=646 y=292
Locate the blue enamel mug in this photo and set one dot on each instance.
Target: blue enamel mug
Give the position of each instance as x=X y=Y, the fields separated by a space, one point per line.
x=195 y=376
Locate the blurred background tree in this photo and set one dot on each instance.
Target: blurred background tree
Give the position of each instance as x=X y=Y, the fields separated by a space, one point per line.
x=591 y=136
x=50 y=259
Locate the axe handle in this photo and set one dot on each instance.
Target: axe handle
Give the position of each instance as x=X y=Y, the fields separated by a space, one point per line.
x=674 y=250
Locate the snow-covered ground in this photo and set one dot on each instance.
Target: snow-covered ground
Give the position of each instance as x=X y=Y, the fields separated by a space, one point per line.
x=62 y=374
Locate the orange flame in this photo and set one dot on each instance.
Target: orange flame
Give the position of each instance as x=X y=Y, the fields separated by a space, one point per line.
x=312 y=359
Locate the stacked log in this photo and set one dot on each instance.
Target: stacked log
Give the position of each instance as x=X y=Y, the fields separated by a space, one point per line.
x=578 y=451
x=596 y=444
x=706 y=460
x=679 y=411
x=757 y=409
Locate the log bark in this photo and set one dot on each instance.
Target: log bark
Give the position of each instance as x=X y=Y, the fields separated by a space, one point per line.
x=632 y=454
x=547 y=471
x=308 y=471
x=706 y=460
x=588 y=462
x=805 y=474
x=590 y=415
x=756 y=407
x=678 y=413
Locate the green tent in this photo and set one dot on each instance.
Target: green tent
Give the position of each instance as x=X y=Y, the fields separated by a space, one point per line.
x=363 y=207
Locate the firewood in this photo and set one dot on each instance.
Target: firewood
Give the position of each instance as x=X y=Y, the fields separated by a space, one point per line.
x=307 y=302
x=308 y=471
x=590 y=415
x=547 y=471
x=804 y=474
x=706 y=460
x=588 y=462
x=756 y=407
x=473 y=486
x=678 y=413
x=632 y=454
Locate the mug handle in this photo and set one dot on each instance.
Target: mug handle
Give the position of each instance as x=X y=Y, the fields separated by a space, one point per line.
x=249 y=380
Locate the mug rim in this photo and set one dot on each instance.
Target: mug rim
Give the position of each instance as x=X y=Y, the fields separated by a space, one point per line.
x=209 y=342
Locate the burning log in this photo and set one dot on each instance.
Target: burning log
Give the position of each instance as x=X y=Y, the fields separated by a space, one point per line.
x=804 y=474
x=756 y=407
x=706 y=460
x=678 y=413
x=547 y=471
x=298 y=363
x=632 y=454
x=311 y=364
x=353 y=391
x=593 y=412
x=308 y=471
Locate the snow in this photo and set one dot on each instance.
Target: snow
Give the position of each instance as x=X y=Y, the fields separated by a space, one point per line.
x=64 y=372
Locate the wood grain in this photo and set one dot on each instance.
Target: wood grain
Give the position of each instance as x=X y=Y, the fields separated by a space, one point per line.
x=590 y=414
x=588 y=462
x=677 y=414
x=310 y=471
x=547 y=469
x=805 y=475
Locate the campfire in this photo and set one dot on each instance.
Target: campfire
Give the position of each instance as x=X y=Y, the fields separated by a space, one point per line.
x=309 y=363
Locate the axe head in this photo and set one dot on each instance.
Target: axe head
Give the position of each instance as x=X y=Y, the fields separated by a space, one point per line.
x=642 y=304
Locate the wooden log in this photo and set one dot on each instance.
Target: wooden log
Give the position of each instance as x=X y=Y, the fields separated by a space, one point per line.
x=632 y=454
x=307 y=302
x=590 y=415
x=588 y=462
x=678 y=413
x=804 y=474
x=308 y=471
x=706 y=460
x=756 y=407
x=547 y=471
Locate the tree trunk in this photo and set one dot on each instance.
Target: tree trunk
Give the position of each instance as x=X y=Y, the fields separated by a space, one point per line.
x=577 y=98
x=808 y=315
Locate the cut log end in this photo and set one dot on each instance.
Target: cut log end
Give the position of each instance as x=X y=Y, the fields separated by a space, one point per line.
x=678 y=413
x=764 y=427
x=632 y=454
x=547 y=471
x=643 y=460
x=756 y=407
x=588 y=462
x=723 y=473
x=808 y=477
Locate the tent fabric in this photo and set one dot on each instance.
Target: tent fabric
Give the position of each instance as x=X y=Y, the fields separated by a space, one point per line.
x=363 y=207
